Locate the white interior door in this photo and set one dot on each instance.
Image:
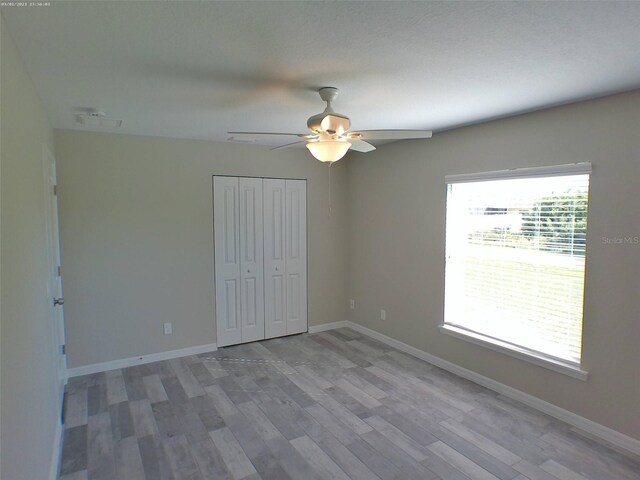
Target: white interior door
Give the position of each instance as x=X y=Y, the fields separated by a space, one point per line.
x=54 y=280
x=296 y=255
x=251 y=260
x=275 y=324
x=226 y=221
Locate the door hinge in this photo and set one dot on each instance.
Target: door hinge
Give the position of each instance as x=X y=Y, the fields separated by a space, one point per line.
x=55 y=189
x=59 y=270
x=64 y=349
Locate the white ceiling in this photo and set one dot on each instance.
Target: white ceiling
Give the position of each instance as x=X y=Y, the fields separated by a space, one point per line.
x=200 y=69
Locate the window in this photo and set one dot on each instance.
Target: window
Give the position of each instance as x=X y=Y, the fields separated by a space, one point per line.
x=515 y=260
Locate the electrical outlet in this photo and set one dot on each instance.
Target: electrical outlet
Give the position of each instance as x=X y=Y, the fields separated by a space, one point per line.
x=383 y=314
x=352 y=304
x=168 y=329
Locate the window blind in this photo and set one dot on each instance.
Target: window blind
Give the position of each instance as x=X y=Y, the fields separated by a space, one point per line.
x=515 y=258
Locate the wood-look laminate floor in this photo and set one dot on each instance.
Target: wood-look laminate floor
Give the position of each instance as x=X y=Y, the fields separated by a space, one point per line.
x=332 y=405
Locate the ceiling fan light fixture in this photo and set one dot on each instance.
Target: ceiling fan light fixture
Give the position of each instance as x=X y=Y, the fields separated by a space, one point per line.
x=328 y=150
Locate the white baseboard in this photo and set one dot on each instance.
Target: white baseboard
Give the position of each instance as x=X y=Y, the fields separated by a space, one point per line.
x=142 y=359
x=607 y=434
x=56 y=452
x=328 y=326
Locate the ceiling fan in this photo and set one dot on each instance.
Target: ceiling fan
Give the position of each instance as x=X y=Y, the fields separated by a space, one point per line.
x=330 y=137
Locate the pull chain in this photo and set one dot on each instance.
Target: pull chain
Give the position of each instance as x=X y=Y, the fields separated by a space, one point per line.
x=330 y=188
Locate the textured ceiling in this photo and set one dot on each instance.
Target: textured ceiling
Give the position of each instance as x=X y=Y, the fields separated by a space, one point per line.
x=199 y=69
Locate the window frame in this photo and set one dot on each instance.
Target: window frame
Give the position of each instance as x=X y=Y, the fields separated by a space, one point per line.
x=571 y=369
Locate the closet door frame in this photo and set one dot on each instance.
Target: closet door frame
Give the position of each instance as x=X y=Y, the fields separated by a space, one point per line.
x=306 y=260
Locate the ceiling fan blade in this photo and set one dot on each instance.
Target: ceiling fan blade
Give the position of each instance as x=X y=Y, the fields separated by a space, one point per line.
x=390 y=134
x=287 y=145
x=358 y=145
x=303 y=135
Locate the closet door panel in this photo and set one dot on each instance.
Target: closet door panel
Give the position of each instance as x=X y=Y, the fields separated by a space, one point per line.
x=226 y=213
x=275 y=291
x=251 y=259
x=296 y=255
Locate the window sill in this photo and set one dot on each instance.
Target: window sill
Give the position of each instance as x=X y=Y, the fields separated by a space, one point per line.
x=516 y=352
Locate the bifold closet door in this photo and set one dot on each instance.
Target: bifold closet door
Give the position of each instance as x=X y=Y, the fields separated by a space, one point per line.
x=275 y=322
x=226 y=216
x=296 y=255
x=239 y=265
x=251 y=260
x=260 y=258
x=285 y=257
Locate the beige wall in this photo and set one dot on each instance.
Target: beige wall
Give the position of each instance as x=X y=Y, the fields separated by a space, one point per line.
x=396 y=198
x=137 y=238
x=31 y=398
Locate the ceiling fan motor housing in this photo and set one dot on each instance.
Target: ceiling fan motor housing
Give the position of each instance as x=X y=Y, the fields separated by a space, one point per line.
x=331 y=123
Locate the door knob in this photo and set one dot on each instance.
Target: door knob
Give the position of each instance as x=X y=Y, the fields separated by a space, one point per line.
x=277 y=269
x=58 y=301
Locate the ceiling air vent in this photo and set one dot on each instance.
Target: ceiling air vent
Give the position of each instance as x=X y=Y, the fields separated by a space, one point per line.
x=98 y=119
x=241 y=139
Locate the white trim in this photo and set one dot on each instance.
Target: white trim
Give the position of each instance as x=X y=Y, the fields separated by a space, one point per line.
x=496 y=345
x=328 y=326
x=56 y=452
x=142 y=359
x=547 y=171
x=629 y=444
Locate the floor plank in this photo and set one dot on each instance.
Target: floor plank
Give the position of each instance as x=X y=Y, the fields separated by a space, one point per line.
x=128 y=460
x=116 y=390
x=180 y=459
x=155 y=389
x=459 y=461
x=318 y=459
x=232 y=454
x=100 y=454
